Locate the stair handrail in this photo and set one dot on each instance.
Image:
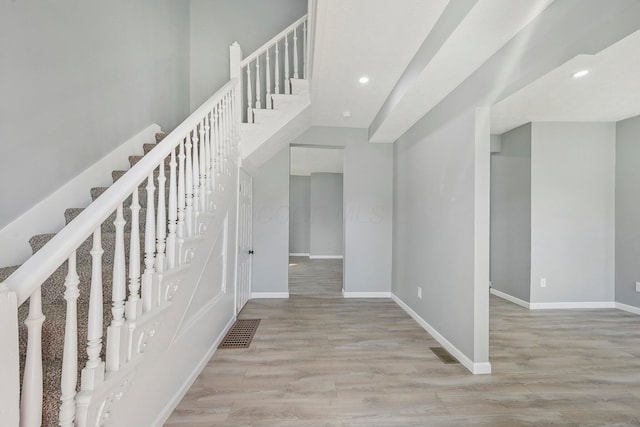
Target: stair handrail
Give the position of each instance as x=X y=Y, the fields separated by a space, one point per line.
x=30 y=275
x=251 y=69
x=259 y=51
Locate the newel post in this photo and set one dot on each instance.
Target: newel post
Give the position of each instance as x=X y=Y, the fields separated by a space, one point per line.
x=235 y=72
x=9 y=362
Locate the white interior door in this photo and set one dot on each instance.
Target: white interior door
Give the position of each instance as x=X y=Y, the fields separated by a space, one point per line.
x=244 y=239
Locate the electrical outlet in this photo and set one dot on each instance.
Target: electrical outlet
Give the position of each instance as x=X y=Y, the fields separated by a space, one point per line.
x=637 y=286
x=543 y=282
x=419 y=292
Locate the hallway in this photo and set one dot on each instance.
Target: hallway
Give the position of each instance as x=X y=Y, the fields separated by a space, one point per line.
x=348 y=362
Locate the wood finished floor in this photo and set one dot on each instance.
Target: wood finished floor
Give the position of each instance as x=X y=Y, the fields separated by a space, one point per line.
x=346 y=362
x=315 y=278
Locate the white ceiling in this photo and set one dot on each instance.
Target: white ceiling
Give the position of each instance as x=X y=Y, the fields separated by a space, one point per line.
x=306 y=160
x=376 y=38
x=610 y=92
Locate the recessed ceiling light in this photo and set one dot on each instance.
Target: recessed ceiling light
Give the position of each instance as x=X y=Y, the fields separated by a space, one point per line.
x=346 y=114
x=579 y=74
x=364 y=80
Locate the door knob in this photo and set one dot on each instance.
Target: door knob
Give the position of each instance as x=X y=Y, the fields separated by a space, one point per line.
x=251 y=252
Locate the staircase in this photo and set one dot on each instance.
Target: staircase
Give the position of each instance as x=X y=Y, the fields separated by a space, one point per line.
x=116 y=293
x=54 y=304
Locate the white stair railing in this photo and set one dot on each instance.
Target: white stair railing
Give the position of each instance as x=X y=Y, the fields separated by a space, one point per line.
x=256 y=69
x=211 y=132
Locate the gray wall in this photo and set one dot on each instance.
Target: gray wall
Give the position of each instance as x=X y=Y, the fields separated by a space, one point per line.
x=326 y=234
x=511 y=214
x=572 y=212
x=627 y=211
x=216 y=24
x=368 y=205
x=79 y=78
x=433 y=227
x=299 y=214
x=271 y=225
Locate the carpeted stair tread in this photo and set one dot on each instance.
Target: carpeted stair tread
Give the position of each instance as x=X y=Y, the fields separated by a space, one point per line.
x=135 y=159
x=83 y=254
x=108 y=226
x=142 y=196
x=160 y=136
x=54 y=326
x=7 y=271
x=116 y=175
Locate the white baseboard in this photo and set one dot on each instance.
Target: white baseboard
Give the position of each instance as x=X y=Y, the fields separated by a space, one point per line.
x=474 y=368
x=570 y=305
x=509 y=298
x=326 y=256
x=298 y=254
x=628 y=308
x=367 y=294
x=164 y=415
x=269 y=295
x=47 y=216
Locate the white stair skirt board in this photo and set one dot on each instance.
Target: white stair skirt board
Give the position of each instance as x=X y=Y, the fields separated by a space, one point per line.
x=628 y=308
x=569 y=305
x=47 y=216
x=509 y=298
x=326 y=256
x=474 y=368
x=298 y=254
x=180 y=393
x=269 y=295
x=367 y=294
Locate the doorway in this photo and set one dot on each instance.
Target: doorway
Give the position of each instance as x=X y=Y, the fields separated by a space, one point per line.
x=316 y=222
x=245 y=239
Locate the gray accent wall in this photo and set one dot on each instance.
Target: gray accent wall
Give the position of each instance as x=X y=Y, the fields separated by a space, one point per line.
x=77 y=80
x=326 y=233
x=511 y=214
x=216 y=24
x=299 y=213
x=433 y=227
x=572 y=212
x=271 y=225
x=627 y=211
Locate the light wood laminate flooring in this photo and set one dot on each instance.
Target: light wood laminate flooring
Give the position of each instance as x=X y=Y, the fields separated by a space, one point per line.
x=346 y=362
x=315 y=278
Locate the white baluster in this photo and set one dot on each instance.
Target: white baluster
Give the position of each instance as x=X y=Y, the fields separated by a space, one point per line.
x=133 y=307
x=277 y=71
x=161 y=221
x=173 y=213
x=305 y=49
x=268 y=102
x=149 y=249
x=70 y=353
x=214 y=147
x=31 y=401
x=93 y=372
x=116 y=337
x=209 y=163
x=287 y=84
x=181 y=230
x=258 y=91
x=203 y=168
x=188 y=188
x=196 y=181
x=10 y=364
x=295 y=53
x=249 y=96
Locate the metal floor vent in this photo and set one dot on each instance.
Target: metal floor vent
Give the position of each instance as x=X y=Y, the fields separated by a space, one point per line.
x=444 y=355
x=240 y=334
